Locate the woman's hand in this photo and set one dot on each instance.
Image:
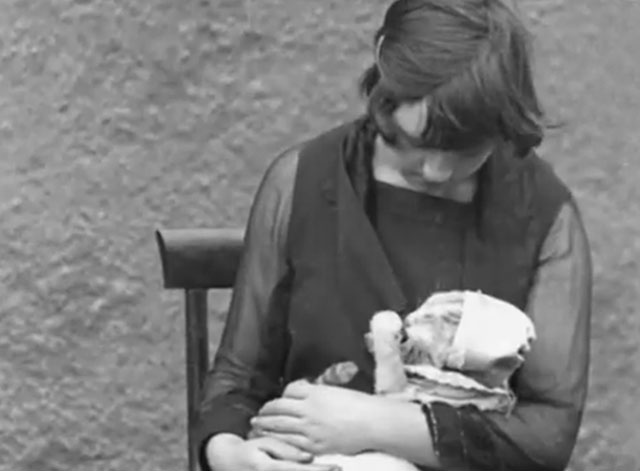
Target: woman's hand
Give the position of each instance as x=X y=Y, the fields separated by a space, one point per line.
x=319 y=419
x=226 y=452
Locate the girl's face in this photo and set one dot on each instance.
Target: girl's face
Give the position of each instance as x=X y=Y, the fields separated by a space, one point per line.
x=434 y=167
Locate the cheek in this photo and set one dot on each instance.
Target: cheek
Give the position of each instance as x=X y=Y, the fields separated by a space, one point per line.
x=411 y=162
x=465 y=167
x=463 y=170
x=439 y=167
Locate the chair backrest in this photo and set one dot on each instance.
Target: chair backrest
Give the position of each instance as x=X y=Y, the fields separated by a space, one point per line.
x=199 y=258
x=196 y=260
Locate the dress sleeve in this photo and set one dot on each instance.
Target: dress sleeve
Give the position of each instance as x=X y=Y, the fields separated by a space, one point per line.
x=551 y=387
x=248 y=364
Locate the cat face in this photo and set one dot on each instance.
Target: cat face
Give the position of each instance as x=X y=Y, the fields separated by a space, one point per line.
x=428 y=336
x=424 y=337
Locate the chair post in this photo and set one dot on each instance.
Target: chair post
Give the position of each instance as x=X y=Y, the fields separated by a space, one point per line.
x=197 y=362
x=195 y=261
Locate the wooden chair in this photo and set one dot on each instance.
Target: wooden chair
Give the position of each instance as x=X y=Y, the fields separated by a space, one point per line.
x=195 y=261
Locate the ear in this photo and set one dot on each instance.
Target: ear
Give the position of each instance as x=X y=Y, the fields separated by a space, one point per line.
x=412 y=117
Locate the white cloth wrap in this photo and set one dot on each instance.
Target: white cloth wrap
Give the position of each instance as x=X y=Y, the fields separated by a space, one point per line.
x=491 y=329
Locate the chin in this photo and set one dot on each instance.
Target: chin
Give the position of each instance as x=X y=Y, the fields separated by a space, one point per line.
x=419 y=181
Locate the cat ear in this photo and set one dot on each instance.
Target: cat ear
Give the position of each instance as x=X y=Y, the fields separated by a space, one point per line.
x=338 y=374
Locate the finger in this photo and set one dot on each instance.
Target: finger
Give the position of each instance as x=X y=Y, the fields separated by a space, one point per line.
x=277 y=424
x=298 y=389
x=283 y=406
x=283 y=450
x=261 y=461
x=288 y=466
x=296 y=441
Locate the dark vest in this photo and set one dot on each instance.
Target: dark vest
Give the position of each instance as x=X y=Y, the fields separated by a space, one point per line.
x=341 y=275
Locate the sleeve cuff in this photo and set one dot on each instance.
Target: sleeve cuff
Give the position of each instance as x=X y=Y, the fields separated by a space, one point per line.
x=226 y=415
x=461 y=439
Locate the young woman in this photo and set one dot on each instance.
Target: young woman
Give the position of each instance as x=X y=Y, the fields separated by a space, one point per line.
x=435 y=189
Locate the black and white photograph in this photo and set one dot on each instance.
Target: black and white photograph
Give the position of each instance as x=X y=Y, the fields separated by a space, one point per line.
x=320 y=235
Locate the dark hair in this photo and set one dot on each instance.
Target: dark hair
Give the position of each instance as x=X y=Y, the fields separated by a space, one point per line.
x=470 y=58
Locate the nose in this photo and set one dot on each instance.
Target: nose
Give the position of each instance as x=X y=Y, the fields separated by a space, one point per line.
x=437 y=169
x=403 y=335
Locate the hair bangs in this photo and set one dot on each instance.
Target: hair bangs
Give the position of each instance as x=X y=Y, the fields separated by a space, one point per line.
x=460 y=115
x=493 y=97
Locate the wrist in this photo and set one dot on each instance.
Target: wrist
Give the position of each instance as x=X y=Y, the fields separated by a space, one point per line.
x=395 y=425
x=376 y=426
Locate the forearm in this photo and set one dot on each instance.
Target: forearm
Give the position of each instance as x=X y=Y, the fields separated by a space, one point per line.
x=241 y=381
x=536 y=437
x=552 y=385
x=400 y=429
x=468 y=438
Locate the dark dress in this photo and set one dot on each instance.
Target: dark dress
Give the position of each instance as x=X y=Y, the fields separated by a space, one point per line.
x=255 y=347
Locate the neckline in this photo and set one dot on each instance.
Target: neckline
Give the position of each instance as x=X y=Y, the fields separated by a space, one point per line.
x=420 y=205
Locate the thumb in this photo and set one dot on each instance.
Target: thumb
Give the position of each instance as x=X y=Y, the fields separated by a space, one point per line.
x=283 y=451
